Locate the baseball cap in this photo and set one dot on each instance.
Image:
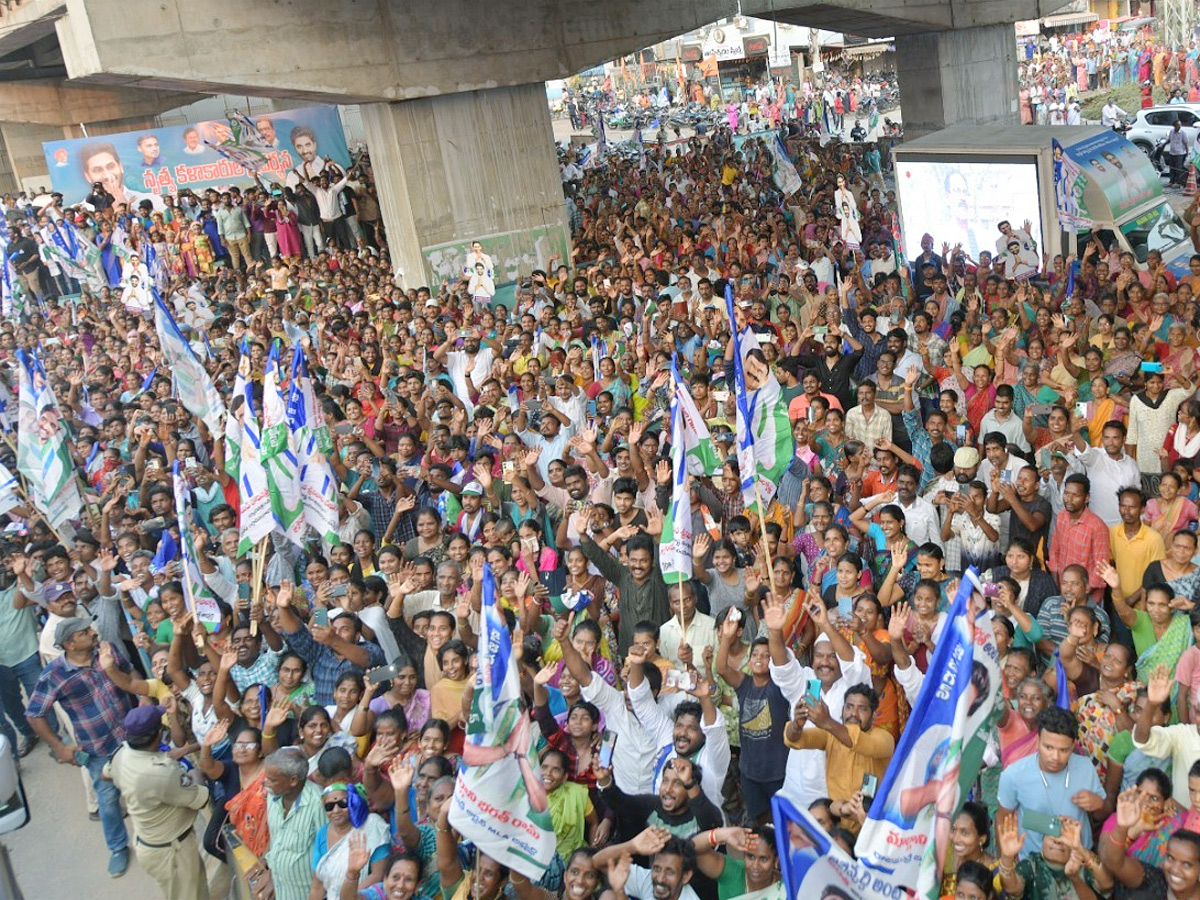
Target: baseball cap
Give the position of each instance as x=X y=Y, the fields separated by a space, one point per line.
x=55 y=589
x=474 y=488
x=144 y=721
x=67 y=627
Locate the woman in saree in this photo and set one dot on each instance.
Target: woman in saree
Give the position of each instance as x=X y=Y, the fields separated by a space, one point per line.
x=347 y=813
x=1183 y=438
x=1101 y=409
x=866 y=630
x=1030 y=390
x=979 y=388
x=1178 y=357
x=1161 y=631
x=1171 y=512
x=1159 y=818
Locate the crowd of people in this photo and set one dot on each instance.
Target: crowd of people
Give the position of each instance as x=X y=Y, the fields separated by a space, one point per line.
x=1056 y=70
x=1044 y=431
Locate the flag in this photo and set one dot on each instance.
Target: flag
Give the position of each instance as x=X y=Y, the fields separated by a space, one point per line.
x=1062 y=684
x=165 y=553
x=195 y=388
x=245 y=145
x=42 y=453
x=699 y=450
x=243 y=461
x=784 y=174
x=279 y=454
x=10 y=496
x=812 y=865
x=765 y=445
x=8 y=408
x=197 y=595
x=934 y=765
x=311 y=438
x=499 y=801
x=675 y=542
x=147 y=382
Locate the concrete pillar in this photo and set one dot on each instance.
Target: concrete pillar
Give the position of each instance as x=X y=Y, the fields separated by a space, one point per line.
x=463 y=167
x=966 y=76
x=23 y=150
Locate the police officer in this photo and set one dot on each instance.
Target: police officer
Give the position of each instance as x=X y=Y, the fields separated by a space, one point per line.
x=162 y=804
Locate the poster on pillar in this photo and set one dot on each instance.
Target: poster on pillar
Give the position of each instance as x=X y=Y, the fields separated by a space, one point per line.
x=135 y=166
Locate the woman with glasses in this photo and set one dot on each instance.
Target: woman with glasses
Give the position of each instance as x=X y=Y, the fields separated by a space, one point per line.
x=347 y=812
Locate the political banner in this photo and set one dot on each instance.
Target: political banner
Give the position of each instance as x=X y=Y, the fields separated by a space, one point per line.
x=1070 y=185
x=499 y=801
x=43 y=455
x=813 y=867
x=907 y=833
x=145 y=165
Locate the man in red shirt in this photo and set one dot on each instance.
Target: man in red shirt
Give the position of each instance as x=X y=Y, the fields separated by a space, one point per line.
x=1080 y=536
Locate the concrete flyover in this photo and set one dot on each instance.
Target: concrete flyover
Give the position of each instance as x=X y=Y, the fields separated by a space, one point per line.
x=458 y=128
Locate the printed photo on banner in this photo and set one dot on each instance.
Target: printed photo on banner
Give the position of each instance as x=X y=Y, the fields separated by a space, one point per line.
x=133 y=166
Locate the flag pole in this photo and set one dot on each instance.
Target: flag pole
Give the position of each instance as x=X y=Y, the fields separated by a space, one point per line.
x=260 y=554
x=762 y=523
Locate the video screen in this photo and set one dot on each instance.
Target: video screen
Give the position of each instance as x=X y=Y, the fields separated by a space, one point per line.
x=961 y=203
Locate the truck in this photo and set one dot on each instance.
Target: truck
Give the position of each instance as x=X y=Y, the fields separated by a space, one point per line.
x=1066 y=186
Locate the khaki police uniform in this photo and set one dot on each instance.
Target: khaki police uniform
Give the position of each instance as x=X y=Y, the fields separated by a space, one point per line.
x=162 y=808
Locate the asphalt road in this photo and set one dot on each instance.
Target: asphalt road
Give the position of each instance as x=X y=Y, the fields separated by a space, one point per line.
x=60 y=854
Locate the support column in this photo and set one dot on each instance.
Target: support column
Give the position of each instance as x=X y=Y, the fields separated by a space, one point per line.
x=23 y=151
x=966 y=76
x=453 y=169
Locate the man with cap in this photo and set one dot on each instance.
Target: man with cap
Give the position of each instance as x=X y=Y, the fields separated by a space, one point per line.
x=96 y=708
x=470 y=520
x=162 y=804
x=966 y=470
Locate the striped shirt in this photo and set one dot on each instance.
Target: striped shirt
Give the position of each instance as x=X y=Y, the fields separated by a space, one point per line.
x=292 y=835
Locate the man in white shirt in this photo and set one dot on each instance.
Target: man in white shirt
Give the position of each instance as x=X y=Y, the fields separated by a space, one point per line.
x=469 y=367
x=921 y=522
x=1109 y=468
x=691 y=733
x=686 y=627
x=836 y=665
x=1003 y=420
x=1111 y=114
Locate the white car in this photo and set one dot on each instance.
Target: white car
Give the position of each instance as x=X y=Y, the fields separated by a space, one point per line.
x=1155 y=123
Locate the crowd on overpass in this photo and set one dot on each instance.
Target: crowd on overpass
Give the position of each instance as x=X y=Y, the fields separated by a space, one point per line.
x=1029 y=418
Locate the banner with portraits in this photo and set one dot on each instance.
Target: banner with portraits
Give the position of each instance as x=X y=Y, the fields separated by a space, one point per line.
x=146 y=165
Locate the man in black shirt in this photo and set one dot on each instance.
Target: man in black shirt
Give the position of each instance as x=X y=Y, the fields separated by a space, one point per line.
x=28 y=263
x=833 y=369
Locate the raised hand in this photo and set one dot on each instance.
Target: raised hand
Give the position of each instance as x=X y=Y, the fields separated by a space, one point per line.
x=1159 y=686
x=662 y=472
x=283 y=595
x=1107 y=571
x=1009 y=838
x=773 y=613
x=357 y=856
x=216 y=734
x=901 y=614
x=618 y=871
x=401 y=773
x=546 y=674
x=649 y=841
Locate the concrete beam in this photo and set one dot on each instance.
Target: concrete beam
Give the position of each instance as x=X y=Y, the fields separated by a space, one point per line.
x=393 y=50
x=55 y=102
x=471 y=166
x=23 y=145
x=28 y=22
x=958 y=77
